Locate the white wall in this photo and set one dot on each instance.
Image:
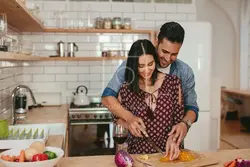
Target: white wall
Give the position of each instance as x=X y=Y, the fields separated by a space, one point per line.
x=225 y=38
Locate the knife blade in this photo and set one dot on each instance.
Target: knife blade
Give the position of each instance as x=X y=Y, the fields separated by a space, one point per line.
x=153 y=144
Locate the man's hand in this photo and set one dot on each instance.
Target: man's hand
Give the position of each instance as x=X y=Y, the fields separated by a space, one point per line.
x=172 y=148
x=136 y=126
x=179 y=132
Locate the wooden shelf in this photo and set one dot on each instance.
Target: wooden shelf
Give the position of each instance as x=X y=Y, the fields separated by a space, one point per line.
x=17 y=56
x=132 y=31
x=19 y=17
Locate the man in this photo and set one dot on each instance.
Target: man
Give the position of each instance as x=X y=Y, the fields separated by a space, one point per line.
x=169 y=42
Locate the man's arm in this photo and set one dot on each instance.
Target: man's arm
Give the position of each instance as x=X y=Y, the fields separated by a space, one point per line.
x=190 y=97
x=190 y=107
x=110 y=94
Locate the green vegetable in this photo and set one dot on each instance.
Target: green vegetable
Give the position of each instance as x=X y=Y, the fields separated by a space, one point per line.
x=51 y=154
x=4 y=128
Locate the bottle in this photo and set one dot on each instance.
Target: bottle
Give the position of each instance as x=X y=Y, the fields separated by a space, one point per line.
x=4 y=124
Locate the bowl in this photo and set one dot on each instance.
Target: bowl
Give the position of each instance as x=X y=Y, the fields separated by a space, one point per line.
x=48 y=163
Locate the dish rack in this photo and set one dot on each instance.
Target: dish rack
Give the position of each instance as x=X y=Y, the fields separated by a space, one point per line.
x=22 y=136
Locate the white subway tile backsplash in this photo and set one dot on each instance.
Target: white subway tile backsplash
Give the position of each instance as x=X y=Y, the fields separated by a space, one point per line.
x=176 y=17
x=111 y=14
x=33 y=38
x=54 y=70
x=144 y=7
x=122 y=7
x=183 y=8
x=23 y=78
x=43 y=78
x=134 y=16
x=47 y=15
x=82 y=54
x=66 y=63
x=54 y=38
x=166 y=8
x=77 y=6
x=87 y=63
x=72 y=15
x=97 y=69
x=32 y=70
x=100 y=7
x=78 y=70
x=89 y=46
x=89 y=77
x=74 y=85
x=95 y=53
x=50 y=6
x=155 y=16
x=145 y=24
x=49 y=23
x=96 y=85
x=77 y=38
x=47 y=86
x=66 y=77
x=43 y=63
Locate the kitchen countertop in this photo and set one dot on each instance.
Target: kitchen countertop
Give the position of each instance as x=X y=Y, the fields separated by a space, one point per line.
x=108 y=161
x=48 y=114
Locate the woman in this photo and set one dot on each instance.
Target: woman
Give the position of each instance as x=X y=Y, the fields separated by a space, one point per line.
x=153 y=96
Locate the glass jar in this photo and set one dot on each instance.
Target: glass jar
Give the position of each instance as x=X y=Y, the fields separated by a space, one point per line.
x=117 y=23
x=107 y=23
x=99 y=23
x=127 y=23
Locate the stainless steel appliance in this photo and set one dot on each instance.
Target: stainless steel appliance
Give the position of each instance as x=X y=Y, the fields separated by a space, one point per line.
x=72 y=48
x=61 y=49
x=21 y=102
x=90 y=129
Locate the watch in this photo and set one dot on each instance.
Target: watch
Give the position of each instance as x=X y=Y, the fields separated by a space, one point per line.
x=188 y=123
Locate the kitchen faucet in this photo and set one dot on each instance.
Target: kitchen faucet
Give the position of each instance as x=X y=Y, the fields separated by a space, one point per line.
x=13 y=95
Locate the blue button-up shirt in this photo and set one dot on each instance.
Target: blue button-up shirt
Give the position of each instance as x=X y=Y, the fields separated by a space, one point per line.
x=178 y=68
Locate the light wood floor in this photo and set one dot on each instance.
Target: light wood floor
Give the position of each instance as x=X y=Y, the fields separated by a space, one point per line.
x=232 y=137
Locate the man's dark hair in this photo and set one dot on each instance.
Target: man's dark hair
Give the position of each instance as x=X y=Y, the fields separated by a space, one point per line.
x=173 y=31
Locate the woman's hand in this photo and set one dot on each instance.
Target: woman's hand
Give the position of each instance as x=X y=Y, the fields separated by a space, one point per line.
x=172 y=148
x=136 y=126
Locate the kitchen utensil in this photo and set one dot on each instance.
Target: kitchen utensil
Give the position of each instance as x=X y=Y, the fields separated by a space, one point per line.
x=61 y=49
x=146 y=136
x=81 y=98
x=72 y=48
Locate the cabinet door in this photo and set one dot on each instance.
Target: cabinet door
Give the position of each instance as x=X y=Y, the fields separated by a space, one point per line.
x=198 y=137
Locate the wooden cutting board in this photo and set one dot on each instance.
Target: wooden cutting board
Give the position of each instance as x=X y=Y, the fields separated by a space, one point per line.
x=154 y=160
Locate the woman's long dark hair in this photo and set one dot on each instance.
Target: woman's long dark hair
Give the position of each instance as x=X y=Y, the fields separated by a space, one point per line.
x=139 y=48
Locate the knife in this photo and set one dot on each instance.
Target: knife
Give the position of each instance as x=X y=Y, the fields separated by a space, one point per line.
x=153 y=144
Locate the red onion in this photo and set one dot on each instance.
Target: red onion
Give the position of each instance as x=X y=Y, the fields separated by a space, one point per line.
x=123 y=159
x=243 y=163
